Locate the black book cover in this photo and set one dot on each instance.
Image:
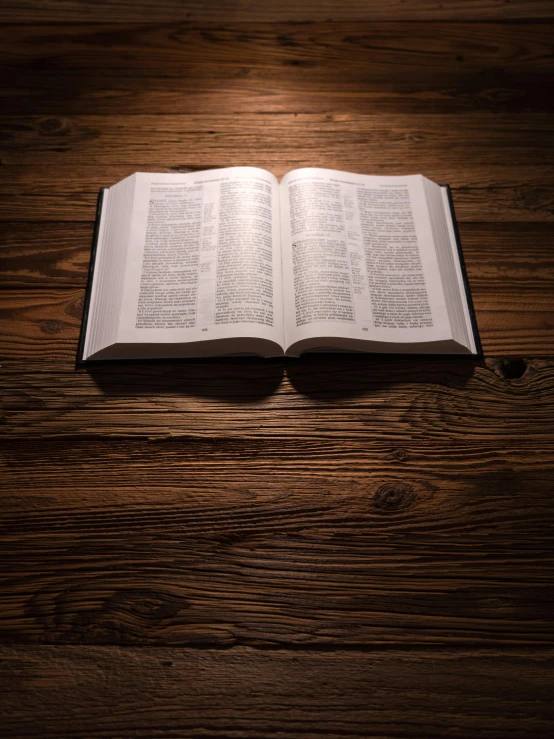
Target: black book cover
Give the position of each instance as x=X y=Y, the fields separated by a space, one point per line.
x=81 y=346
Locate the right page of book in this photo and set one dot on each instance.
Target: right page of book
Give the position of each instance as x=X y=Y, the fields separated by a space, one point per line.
x=358 y=259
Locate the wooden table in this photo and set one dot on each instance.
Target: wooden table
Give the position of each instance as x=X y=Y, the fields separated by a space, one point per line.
x=329 y=547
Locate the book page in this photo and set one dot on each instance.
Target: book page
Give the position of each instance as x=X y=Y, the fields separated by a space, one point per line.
x=358 y=259
x=204 y=258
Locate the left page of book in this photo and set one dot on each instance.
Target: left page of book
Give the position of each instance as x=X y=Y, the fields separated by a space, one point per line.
x=203 y=261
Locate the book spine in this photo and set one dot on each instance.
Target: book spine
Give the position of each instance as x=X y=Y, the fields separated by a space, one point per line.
x=84 y=323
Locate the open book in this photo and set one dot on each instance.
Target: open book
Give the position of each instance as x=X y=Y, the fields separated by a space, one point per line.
x=230 y=261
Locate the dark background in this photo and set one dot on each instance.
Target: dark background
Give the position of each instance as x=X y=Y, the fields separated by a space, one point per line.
x=330 y=547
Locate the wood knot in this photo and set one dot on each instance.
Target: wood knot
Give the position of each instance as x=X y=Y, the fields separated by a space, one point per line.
x=399 y=455
x=75 y=308
x=286 y=40
x=145 y=604
x=392 y=497
x=53 y=126
x=51 y=327
x=297 y=63
x=502 y=94
x=513 y=369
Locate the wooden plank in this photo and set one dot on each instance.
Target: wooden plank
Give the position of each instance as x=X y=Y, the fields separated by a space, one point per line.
x=88 y=179
x=124 y=693
x=150 y=139
x=345 y=541
x=451 y=51
x=280 y=143
x=230 y=471
x=407 y=68
x=36 y=254
x=248 y=92
x=48 y=320
x=41 y=324
x=303 y=571
x=496 y=193
x=77 y=11
x=321 y=588
x=505 y=261
x=516 y=204
x=388 y=399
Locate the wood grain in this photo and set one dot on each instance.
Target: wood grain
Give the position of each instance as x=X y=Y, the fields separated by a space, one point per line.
x=322 y=541
x=394 y=399
x=32 y=254
x=56 y=11
x=148 y=139
x=470 y=175
x=166 y=473
x=143 y=693
x=504 y=259
x=332 y=547
x=44 y=324
x=449 y=50
x=405 y=68
x=518 y=203
x=281 y=143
